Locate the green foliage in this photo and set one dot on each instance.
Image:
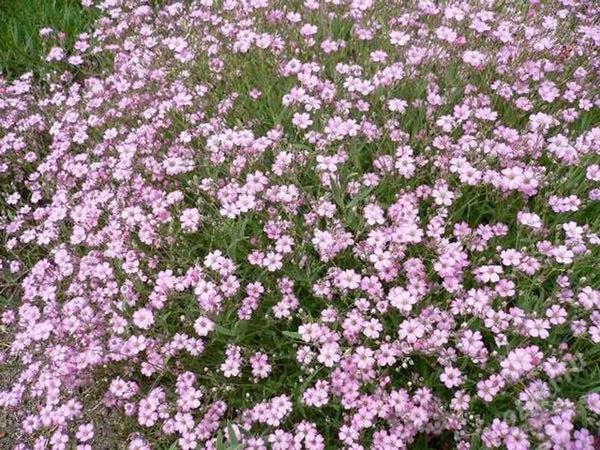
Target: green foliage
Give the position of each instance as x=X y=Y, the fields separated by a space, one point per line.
x=22 y=49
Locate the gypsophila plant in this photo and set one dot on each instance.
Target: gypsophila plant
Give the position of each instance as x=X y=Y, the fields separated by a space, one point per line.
x=269 y=224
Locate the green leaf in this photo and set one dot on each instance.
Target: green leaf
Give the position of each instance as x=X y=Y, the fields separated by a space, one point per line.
x=221 y=329
x=291 y=334
x=219 y=443
x=231 y=436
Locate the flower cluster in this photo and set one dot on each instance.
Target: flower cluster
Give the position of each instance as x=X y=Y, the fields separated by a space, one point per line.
x=321 y=224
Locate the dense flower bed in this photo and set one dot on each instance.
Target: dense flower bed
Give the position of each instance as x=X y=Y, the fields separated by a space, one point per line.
x=330 y=224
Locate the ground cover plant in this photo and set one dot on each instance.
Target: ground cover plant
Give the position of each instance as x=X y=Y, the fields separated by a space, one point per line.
x=324 y=224
x=22 y=44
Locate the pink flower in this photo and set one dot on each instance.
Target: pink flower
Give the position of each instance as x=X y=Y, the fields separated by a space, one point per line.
x=328 y=354
x=203 y=326
x=451 y=377
x=143 y=318
x=85 y=432
x=190 y=218
x=411 y=330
